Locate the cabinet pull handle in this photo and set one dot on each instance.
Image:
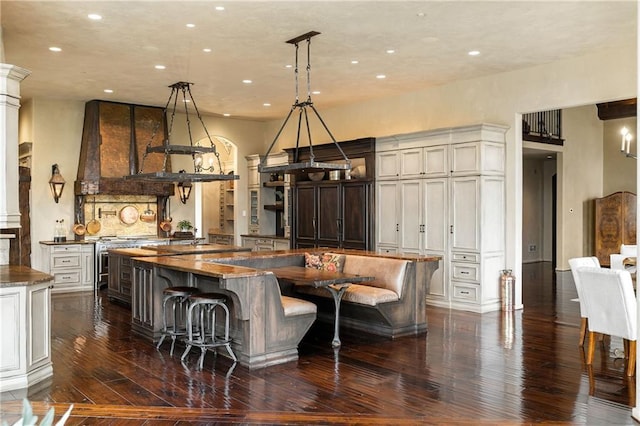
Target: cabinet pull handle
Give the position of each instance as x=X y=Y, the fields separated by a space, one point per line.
x=397 y=227
x=464 y=272
x=464 y=292
x=451 y=229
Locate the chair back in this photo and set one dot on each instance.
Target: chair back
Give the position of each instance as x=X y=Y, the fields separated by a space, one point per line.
x=629 y=250
x=581 y=262
x=610 y=301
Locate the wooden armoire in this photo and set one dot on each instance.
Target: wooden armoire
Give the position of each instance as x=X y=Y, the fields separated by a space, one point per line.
x=615 y=224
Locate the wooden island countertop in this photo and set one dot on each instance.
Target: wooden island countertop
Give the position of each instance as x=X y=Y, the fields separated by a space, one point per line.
x=182 y=249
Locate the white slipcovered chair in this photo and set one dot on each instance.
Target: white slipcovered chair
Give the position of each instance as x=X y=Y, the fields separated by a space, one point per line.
x=611 y=309
x=574 y=264
x=626 y=251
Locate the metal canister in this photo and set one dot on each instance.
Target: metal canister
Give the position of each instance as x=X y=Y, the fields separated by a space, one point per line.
x=507 y=290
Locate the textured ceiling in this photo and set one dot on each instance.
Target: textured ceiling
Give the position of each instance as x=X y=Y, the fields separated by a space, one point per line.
x=248 y=42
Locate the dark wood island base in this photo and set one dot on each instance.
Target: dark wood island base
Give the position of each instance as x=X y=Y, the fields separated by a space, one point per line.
x=266 y=326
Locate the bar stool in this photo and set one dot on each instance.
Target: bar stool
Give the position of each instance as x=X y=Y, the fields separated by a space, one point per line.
x=178 y=297
x=202 y=313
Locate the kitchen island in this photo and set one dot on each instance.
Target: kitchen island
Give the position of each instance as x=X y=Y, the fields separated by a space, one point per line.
x=120 y=269
x=261 y=334
x=25 y=315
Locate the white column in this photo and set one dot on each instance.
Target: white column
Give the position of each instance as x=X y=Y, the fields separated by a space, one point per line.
x=10 y=78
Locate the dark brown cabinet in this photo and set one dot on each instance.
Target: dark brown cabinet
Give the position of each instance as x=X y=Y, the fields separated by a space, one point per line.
x=335 y=212
x=615 y=224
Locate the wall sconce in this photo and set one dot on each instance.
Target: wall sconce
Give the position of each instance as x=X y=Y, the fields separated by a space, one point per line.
x=184 y=189
x=626 y=143
x=56 y=183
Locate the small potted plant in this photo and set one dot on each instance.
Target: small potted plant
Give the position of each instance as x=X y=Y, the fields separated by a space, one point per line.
x=185 y=226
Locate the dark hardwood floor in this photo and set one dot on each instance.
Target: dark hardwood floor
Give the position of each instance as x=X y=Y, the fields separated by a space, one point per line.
x=497 y=368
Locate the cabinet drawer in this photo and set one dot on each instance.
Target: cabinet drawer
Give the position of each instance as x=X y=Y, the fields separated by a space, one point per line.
x=69 y=277
x=125 y=261
x=125 y=275
x=71 y=261
x=125 y=289
x=388 y=250
x=465 y=293
x=466 y=271
x=465 y=257
x=72 y=248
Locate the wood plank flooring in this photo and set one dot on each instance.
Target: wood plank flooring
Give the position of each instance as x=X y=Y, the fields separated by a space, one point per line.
x=497 y=368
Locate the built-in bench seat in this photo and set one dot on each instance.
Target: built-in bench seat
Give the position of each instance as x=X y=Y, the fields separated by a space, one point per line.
x=385 y=306
x=293 y=306
x=392 y=304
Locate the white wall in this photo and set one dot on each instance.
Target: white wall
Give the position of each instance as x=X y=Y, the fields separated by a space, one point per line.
x=582 y=181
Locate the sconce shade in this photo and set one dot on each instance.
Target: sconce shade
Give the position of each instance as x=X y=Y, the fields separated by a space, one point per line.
x=56 y=183
x=184 y=189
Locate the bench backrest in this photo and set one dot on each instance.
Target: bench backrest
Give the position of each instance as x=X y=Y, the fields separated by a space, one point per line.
x=388 y=273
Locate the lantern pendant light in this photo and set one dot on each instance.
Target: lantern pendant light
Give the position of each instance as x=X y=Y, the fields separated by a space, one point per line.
x=311 y=164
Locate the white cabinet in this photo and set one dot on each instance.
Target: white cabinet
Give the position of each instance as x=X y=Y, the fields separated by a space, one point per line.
x=412 y=163
x=387 y=210
x=25 y=315
x=264 y=243
x=442 y=193
x=88 y=264
x=71 y=265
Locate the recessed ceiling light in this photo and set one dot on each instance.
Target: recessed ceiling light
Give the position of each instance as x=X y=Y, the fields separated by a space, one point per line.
x=206 y=50
x=108 y=91
x=316 y=92
x=267 y=104
x=381 y=76
x=474 y=53
x=390 y=51
x=191 y=25
x=247 y=81
x=186 y=101
x=220 y=8
x=226 y=114
x=55 y=49
x=160 y=67
x=355 y=61
x=94 y=16
x=420 y=14
x=288 y=66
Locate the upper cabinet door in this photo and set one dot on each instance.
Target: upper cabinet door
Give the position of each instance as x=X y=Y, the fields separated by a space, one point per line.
x=411 y=163
x=388 y=165
x=436 y=161
x=477 y=157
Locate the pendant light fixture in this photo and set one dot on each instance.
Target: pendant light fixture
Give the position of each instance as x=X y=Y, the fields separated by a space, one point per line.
x=310 y=165
x=196 y=151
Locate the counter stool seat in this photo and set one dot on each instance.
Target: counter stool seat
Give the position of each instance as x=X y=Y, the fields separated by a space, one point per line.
x=178 y=298
x=201 y=325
